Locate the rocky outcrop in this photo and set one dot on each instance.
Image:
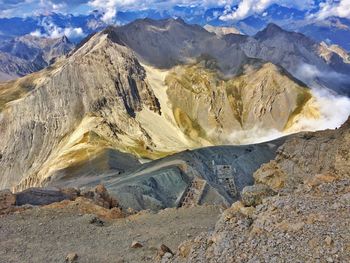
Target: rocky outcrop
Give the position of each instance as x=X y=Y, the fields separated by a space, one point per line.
x=254 y=195
x=328 y=51
x=41 y=196
x=307 y=225
x=96 y=200
x=306 y=155
x=306 y=221
x=100 y=196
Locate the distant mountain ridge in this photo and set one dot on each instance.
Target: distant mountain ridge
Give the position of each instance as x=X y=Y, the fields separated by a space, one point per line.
x=27 y=54
x=334 y=30
x=186 y=42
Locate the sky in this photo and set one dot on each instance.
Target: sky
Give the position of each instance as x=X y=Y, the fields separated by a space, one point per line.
x=234 y=9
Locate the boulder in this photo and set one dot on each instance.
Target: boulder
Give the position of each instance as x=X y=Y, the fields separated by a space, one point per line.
x=184 y=248
x=163 y=249
x=101 y=197
x=136 y=244
x=71 y=257
x=253 y=195
x=40 y=196
x=7 y=199
x=270 y=174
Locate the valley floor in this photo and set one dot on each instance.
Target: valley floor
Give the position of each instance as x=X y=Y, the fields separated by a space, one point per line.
x=48 y=235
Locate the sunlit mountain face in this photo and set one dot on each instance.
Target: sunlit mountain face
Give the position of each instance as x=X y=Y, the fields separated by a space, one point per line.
x=138 y=123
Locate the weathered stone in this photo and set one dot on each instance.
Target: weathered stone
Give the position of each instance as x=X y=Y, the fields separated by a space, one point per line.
x=136 y=244
x=96 y=221
x=40 y=196
x=7 y=199
x=71 y=257
x=185 y=248
x=163 y=249
x=320 y=179
x=253 y=195
x=101 y=197
x=271 y=175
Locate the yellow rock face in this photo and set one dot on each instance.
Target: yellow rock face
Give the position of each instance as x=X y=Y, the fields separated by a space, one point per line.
x=208 y=105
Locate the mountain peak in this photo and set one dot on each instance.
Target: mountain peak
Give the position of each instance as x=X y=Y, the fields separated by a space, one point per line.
x=112 y=35
x=271 y=30
x=272 y=27
x=64 y=39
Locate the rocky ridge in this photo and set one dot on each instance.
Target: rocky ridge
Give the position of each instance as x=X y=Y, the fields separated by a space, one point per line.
x=305 y=218
x=221 y=31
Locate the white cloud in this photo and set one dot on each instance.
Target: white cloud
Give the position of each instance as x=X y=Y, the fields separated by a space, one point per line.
x=323 y=100
x=250 y=7
x=50 y=6
x=308 y=73
x=330 y=8
x=53 y=31
x=334 y=110
x=110 y=7
x=37 y=33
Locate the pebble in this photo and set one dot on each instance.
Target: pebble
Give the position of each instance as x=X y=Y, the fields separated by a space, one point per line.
x=71 y=257
x=136 y=244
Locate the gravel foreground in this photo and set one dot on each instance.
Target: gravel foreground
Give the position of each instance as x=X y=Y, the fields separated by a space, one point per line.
x=49 y=235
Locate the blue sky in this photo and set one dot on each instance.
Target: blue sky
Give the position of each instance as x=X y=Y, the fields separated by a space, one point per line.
x=242 y=8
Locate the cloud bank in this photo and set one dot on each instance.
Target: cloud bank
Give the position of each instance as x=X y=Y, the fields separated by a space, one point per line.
x=249 y=7
x=330 y=8
x=233 y=9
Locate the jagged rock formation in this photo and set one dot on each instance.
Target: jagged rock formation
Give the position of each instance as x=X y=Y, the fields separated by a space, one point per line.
x=306 y=221
x=306 y=225
x=23 y=55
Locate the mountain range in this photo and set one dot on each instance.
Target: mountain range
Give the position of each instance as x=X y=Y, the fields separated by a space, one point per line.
x=185 y=138
x=27 y=54
x=333 y=30
x=152 y=88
